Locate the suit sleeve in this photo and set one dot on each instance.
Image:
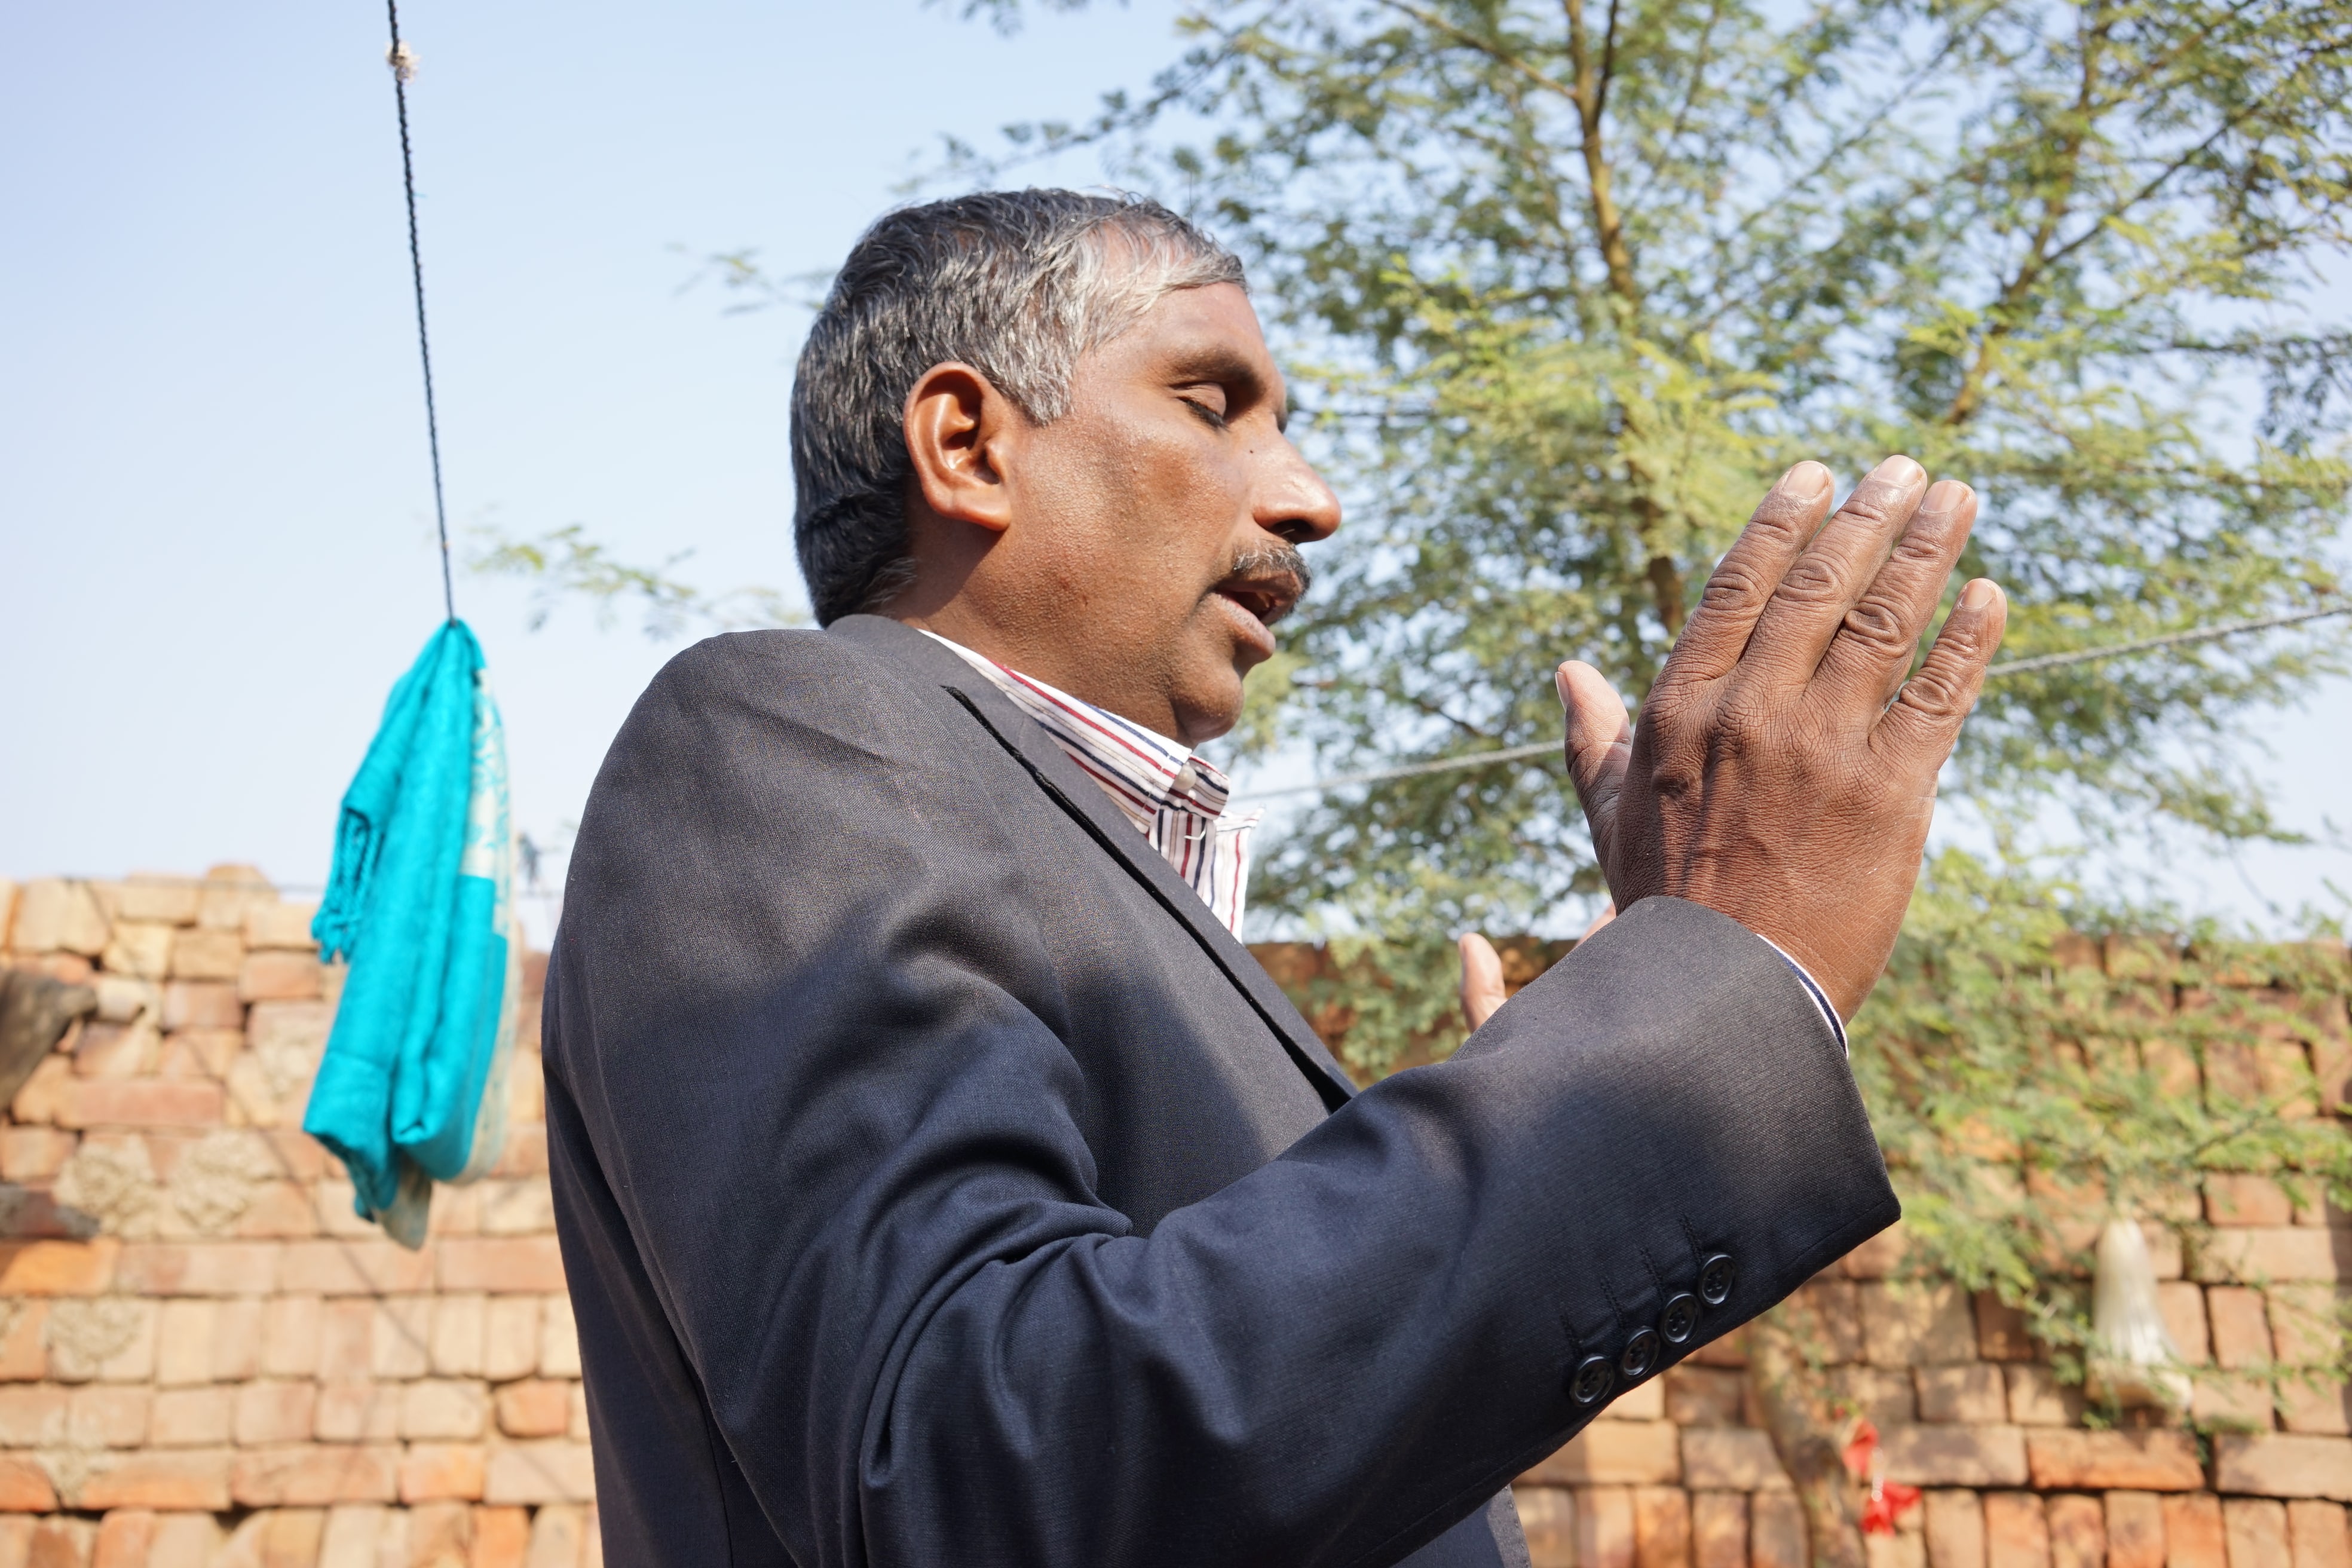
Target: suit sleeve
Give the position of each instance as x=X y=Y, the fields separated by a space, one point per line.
x=803 y=1015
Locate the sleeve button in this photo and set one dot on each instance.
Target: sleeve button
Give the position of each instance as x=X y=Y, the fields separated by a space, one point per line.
x=1680 y=1320
x=1715 y=1278
x=1640 y=1354
x=1591 y=1381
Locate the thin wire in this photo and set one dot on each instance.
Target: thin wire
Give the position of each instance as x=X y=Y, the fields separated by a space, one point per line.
x=401 y=69
x=2012 y=666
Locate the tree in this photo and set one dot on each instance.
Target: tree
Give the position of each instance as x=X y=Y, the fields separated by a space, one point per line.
x=1565 y=287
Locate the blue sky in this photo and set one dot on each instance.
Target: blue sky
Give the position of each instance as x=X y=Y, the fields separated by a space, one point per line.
x=215 y=524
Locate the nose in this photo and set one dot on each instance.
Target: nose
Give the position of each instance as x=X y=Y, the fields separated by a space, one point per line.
x=1293 y=503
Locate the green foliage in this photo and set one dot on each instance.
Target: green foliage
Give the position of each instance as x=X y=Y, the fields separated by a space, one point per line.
x=1565 y=288
x=2027 y=1080
x=564 y=563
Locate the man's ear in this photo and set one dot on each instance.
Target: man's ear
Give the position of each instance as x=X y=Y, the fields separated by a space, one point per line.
x=959 y=430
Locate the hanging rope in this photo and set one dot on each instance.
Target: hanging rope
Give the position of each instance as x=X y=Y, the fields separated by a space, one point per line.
x=403 y=65
x=2013 y=667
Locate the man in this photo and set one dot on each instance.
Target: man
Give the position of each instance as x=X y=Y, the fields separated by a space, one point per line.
x=939 y=1180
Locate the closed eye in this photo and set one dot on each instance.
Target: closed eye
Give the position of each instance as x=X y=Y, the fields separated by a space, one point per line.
x=1209 y=403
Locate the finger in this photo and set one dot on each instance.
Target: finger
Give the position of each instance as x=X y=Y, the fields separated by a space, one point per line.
x=1876 y=641
x=1600 y=746
x=1608 y=913
x=1482 y=980
x=1924 y=719
x=1834 y=570
x=1742 y=582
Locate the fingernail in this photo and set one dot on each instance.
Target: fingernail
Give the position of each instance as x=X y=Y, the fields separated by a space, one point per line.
x=1979 y=593
x=1899 y=470
x=1559 y=688
x=1945 y=495
x=1806 y=482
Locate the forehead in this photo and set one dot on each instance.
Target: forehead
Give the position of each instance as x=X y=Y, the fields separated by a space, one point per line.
x=1211 y=332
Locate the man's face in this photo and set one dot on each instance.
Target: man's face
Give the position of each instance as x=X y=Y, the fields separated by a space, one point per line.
x=1155 y=522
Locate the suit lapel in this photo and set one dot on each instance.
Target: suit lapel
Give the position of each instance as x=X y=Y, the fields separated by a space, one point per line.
x=1062 y=781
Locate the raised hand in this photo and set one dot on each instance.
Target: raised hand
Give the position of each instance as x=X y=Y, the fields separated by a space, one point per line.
x=1784 y=769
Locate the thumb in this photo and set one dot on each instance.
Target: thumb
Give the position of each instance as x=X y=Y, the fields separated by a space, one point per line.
x=1600 y=746
x=1482 y=980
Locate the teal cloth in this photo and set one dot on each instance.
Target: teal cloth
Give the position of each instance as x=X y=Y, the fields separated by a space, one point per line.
x=411 y=1084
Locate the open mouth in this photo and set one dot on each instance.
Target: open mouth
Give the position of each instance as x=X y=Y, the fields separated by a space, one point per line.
x=1267 y=598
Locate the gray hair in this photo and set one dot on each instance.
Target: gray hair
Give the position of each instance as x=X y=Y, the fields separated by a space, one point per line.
x=1016 y=284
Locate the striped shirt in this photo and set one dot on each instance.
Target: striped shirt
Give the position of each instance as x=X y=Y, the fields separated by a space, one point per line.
x=1175 y=799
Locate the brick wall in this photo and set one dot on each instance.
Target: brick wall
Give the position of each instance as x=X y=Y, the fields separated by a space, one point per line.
x=205 y=1359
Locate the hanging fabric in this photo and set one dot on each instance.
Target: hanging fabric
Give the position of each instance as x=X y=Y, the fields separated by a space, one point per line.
x=413 y=1089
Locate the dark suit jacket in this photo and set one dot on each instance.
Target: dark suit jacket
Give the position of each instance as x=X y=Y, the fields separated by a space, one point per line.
x=940 y=1185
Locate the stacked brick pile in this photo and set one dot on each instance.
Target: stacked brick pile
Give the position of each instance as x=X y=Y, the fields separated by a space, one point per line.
x=206 y=1358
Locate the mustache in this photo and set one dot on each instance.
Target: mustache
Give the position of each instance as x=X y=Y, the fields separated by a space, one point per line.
x=1269 y=565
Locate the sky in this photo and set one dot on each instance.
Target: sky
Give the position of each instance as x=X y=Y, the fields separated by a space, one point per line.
x=215 y=514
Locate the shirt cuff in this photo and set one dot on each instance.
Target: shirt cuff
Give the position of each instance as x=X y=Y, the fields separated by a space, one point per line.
x=1813 y=988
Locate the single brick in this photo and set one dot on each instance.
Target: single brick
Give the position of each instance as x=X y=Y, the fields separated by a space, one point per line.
x=501 y=1537
x=2182 y=1307
x=2241 y=1334
x=1704 y=1395
x=198 y=1267
x=290 y=1331
x=286 y=925
x=1956 y=1456
x=2135 y=1530
x=357 y=1413
x=1955 y=1526
x=184 y=1541
x=66 y=1543
x=2271 y=1464
x=2036 y=1397
x=1604 y=1527
x=456 y=1342
x=149 y=895
x=2001 y=1331
x=2231 y=1198
x=2274 y=1253
x=579 y=1411
x=2078 y=1531
x=158 y=1478
x=126 y=1538
x=34 y=1153
x=193 y=1418
x=24 y=1344
x=183 y=1343
x=2317 y=1532
x=33 y=1418
x=275 y=1412
x=447 y=1408
x=439 y=1472
x=1973 y=1393
x=58 y=1268
x=2255 y=1529
x=354 y=1537
x=1917 y=1325
x=353 y=1267
x=104 y=1417
x=503 y=1266
x=346 y=1337
x=1548 y=1519
x=511 y=1337
x=2017 y=1531
x=280 y=976
x=551 y=1469
x=201 y=954
x=1731 y=1458
x=237 y=1352
x=25 y=1486
x=313 y=1475
x=399 y=1339
x=1718 y=1530
x=2192 y=1532
x=539 y=1408
x=201 y=1004
x=558 y=1345
x=556 y=1530
x=1606 y=1453
x=1776 y=1530
x=2156 y=1460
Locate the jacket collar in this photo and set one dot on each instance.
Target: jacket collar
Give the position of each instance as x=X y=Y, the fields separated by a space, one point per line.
x=1083 y=799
